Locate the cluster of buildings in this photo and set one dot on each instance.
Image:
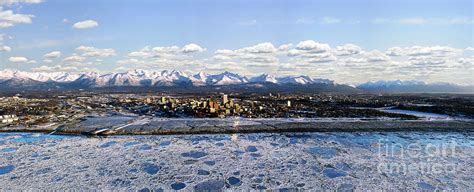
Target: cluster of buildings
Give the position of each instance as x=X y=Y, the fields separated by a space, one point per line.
x=253 y=105
x=6 y=119
x=220 y=108
x=31 y=111
x=205 y=106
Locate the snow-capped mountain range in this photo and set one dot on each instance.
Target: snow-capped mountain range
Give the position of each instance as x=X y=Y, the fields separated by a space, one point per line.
x=153 y=78
x=412 y=86
x=22 y=80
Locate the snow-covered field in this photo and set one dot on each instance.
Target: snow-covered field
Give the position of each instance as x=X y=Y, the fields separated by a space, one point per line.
x=423 y=115
x=328 y=161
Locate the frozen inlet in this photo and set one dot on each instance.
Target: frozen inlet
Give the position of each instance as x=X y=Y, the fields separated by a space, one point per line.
x=247 y=162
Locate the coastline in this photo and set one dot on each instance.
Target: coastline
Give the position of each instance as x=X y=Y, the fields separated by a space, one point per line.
x=137 y=125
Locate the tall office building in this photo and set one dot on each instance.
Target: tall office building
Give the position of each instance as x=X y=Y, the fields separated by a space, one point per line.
x=225 y=99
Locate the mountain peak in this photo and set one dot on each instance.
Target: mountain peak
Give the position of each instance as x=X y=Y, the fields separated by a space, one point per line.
x=412 y=86
x=264 y=78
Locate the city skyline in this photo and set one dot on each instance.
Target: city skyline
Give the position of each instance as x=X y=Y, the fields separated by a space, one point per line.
x=429 y=41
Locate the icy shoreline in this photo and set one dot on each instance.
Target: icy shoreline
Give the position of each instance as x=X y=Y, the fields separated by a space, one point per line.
x=107 y=124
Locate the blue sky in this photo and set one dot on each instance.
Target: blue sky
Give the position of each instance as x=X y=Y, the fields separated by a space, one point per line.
x=129 y=26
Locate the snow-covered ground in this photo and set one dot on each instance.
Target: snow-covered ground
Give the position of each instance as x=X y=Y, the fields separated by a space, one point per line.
x=418 y=114
x=327 y=161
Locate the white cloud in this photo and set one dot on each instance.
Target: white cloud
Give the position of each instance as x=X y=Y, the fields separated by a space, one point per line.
x=141 y=53
x=416 y=51
x=259 y=48
x=466 y=62
x=173 y=49
x=222 y=57
x=376 y=56
x=47 y=60
x=395 y=51
x=18 y=59
x=348 y=49
x=192 y=48
x=426 y=61
x=12 y=2
x=74 y=58
x=161 y=52
x=224 y=51
x=129 y=61
x=293 y=52
x=87 y=51
x=85 y=24
x=330 y=20
x=313 y=46
x=351 y=60
x=52 y=55
x=9 y=19
x=323 y=58
x=431 y=50
x=259 y=55
x=469 y=49
x=285 y=47
x=258 y=59
x=45 y=68
x=4 y=48
x=163 y=57
x=56 y=68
